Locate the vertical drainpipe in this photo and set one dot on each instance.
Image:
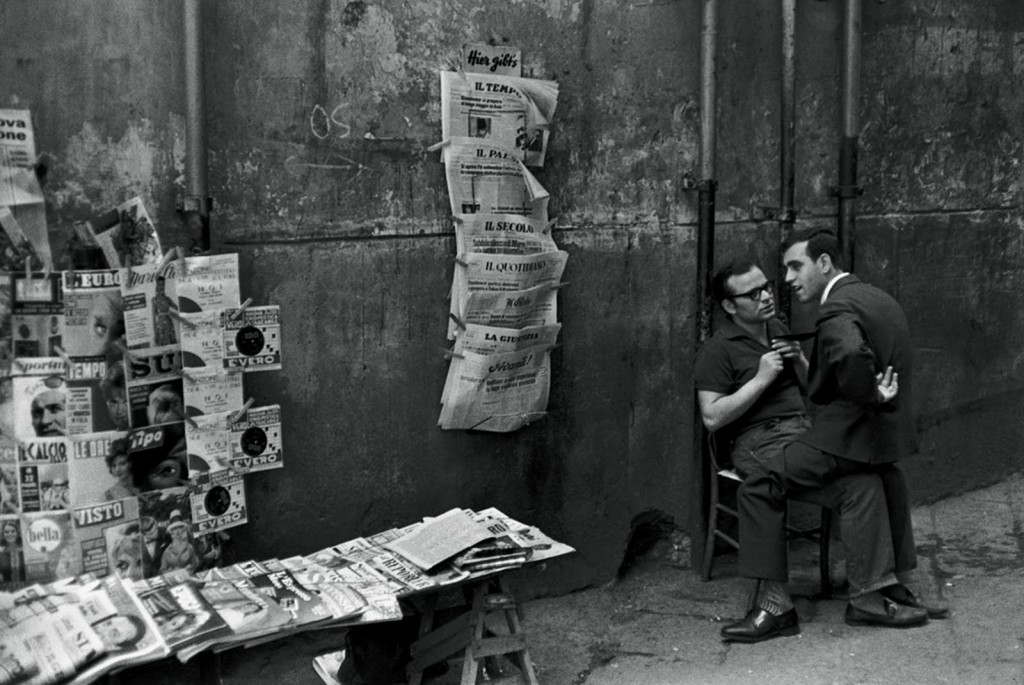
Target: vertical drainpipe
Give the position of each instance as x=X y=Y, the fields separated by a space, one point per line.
x=848 y=190
x=706 y=187
x=196 y=204
x=787 y=137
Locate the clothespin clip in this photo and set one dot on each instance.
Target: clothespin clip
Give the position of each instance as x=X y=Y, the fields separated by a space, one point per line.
x=16 y=363
x=28 y=268
x=173 y=313
x=461 y=262
x=241 y=412
x=128 y=356
x=63 y=355
x=558 y=286
x=448 y=354
x=458 y=321
x=549 y=225
x=437 y=146
x=186 y=418
x=241 y=309
x=187 y=376
x=47 y=270
x=184 y=265
x=128 y=267
x=458 y=219
x=171 y=253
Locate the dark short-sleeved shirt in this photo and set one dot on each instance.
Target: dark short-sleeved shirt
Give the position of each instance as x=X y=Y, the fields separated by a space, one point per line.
x=730 y=358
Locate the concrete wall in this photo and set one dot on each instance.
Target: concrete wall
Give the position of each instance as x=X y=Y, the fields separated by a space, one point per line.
x=319 y=114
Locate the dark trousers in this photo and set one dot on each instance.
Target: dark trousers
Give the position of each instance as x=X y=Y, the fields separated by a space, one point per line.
x=872 y=505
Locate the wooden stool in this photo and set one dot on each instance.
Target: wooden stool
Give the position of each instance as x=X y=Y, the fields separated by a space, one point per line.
x=468 y=633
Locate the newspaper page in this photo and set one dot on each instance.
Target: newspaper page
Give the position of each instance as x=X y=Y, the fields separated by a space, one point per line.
x=217 y=501
x=109 y=539
x=503 y=273
x=208 y=282
x=255 y=440
x=38 y=404
x=497 y=392
x=490 y=340
x=98 y=468
x=439 y=538
x=212 y=391
x=16 y=250
x=37 y=316
x=490 y=179
x=18 y=182
x=158 y=456
x=149 y=294
x=155 y=386
x=161 y=513
x=535 y=306
x=128 y=632
x=57 y=643
x=543 y=547
x=509 y=112
x=252 y=338
x=133 y=240
x=6 y=340
x=343 y=601
x=501 y=234
x=180 y=611
x=379 y=591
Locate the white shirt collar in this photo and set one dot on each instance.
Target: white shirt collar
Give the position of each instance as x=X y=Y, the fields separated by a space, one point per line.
x=828 y=288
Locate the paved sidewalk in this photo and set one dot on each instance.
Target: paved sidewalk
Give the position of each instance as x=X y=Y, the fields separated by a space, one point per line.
x=660 y=624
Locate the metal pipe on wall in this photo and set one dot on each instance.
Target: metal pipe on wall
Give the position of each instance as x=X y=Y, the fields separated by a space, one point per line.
x=706 y=187
x=848 y=144
x=196 y=204
x=787 y=136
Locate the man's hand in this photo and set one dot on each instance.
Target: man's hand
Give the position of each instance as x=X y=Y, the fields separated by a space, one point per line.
x=770 y=366
x=888 y=385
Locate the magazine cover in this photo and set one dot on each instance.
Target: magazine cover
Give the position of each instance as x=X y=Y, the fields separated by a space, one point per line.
x=54 y=645
x=97 y=398
x=275 y=582
x=252 y=338
x=180 y=611
x=255 y=440
x=98 y=470
x=208 y=283
x=38 y=405
x=157 y=456
x=128 y=632
x=50 y=550
x=149 y=294
x=43 y=474
x=6 y=310
x=171 y=546
x=155 y=386
x=208 y=439
x=213 y=390
x=218 y=502
x=37 y=314
x=12 y=552
x=109 y=538
x=94 y=315
x=133 y=240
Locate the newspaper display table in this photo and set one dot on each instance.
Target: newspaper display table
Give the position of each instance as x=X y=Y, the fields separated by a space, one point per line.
x=468 y=633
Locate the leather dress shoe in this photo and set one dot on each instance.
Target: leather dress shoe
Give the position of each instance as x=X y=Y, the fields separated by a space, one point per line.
x=760 y=625
x=887 y=613
x=907 y=597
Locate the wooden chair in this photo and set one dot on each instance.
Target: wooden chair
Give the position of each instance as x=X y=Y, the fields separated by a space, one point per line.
x=722 y=475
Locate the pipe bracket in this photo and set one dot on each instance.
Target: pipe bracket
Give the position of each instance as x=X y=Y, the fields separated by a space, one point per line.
x=783 y=214
x=846 y=192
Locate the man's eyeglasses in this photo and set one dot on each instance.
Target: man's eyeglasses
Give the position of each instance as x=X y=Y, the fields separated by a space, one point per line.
x=755 y=294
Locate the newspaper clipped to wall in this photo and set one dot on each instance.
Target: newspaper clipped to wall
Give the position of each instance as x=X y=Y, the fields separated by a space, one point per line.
x=501 y=234
x=18 y=182
x=491 y=179
x=150 y=300
x=497 y=392
x=510 y=112
x=535 y=306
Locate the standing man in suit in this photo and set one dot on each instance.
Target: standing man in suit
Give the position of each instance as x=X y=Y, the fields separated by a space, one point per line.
x=860 y=377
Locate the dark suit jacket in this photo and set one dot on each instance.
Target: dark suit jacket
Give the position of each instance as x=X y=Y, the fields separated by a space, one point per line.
x=860 y=331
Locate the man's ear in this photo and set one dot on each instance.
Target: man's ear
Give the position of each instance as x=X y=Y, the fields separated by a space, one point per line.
x=729 y=306
x=825 y=263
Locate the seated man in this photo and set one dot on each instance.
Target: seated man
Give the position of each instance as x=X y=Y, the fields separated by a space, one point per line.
x=750 y=386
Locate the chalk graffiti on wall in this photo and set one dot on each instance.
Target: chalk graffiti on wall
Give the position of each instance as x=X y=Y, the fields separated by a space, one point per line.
x=323 y=125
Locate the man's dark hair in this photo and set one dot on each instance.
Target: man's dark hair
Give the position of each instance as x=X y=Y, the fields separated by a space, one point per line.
x=719 y=282
x=819 y=241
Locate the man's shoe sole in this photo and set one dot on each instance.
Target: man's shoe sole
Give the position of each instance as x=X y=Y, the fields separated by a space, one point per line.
x=879 y=622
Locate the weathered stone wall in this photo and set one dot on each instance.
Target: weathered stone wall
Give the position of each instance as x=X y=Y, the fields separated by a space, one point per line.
x=319 y=116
